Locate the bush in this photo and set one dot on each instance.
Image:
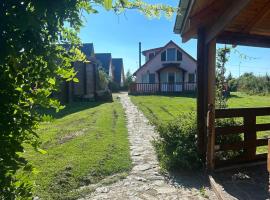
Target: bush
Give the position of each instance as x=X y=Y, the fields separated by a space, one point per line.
x=177 y=145
x=228 y=139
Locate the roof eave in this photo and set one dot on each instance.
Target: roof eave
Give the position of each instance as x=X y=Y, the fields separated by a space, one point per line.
x=181 y=19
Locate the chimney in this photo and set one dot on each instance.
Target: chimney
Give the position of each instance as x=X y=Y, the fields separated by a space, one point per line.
x=140 y=54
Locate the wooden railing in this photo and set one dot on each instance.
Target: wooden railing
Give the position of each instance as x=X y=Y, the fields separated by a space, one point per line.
x=162 y=87
x=249 y=128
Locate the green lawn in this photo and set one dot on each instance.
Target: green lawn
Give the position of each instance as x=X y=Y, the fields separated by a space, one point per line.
x=85 y=143
x=165 y=108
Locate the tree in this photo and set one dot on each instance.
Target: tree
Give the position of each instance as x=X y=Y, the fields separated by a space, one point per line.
x=128 y=80
x=32 y=64
x=221 y=60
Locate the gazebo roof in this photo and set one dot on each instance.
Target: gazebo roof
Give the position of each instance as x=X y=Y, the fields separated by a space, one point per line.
x=243 y=22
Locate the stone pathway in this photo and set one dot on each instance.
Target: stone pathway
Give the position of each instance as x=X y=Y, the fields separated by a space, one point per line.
x=144 y=181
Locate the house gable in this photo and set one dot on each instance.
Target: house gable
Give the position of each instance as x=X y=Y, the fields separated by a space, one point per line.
x=155 y=63
x=105 y=60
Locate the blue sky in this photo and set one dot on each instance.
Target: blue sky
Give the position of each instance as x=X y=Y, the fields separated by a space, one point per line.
x=120 y=35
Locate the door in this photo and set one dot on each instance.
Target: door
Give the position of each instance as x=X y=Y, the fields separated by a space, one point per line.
x=171 y=81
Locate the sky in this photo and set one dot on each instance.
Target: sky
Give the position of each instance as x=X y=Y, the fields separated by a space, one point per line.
x=121 y=34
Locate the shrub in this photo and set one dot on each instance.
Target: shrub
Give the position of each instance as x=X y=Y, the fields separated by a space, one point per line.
x=228 y=139
x=177 y=145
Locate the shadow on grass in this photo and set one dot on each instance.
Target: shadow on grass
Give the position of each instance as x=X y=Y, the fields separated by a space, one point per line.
x=70 y=109
x=234 y=96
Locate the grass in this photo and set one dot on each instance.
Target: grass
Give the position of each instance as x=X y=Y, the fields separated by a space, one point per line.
x=165 y=108
x=85 y=143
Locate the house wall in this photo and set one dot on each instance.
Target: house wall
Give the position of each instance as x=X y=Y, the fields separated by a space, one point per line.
x=155 y=64
x=78 y=88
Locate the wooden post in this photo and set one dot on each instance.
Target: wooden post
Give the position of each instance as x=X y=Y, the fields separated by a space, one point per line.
x=201 y=93
x=268 y=164
x=211 y=82
x=250 y=136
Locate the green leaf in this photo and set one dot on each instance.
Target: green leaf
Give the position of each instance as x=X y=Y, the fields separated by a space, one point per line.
x=75 y=80
x=51 y=81
x=41 y=151
x=108 y=4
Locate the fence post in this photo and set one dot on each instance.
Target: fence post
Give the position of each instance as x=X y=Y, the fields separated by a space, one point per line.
x=250 y=136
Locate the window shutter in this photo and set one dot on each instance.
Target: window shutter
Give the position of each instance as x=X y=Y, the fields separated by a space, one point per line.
x=163 y=56
x=179 y=55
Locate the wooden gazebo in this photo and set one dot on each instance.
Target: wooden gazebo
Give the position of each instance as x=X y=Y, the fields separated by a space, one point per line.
x=236 y=22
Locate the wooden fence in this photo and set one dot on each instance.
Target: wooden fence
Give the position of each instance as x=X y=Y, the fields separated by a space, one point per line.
x=249 y=128
x=162 y=87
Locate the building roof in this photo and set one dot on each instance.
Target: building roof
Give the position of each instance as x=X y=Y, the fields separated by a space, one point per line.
x=155 y=49
x=118 y=67
x=88 y=49
x=105 y=60
x=241 y=22
x=161 y=49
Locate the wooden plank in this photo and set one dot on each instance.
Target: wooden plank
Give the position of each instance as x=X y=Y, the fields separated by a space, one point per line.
x=236 y=146
x=255 y=20
x=216 y=188
x=224 y=20
x=268 y=156
x=262 y=127
x=241 y=112
x=211 y=105
x=253 y=40
x=240 y=160
x=229 y=130
x=261 y=142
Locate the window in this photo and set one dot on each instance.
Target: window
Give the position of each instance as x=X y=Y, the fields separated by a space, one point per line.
x=171 y=77
x=171 y=54
x=163 y=56
x=163 y=77
x=151 y=55
x=179 y=55
x=191 y=78
x=145 y=78
x=152 y=78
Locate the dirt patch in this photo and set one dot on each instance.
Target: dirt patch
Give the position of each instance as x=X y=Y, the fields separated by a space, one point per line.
x=70 y=136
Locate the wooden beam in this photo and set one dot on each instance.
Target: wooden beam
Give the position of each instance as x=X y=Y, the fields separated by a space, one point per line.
x=244 y=39
x=268 y=157
x=255 y=20
x=201 y=93
x=224 y=20
x=201 y=18
x=211 y=82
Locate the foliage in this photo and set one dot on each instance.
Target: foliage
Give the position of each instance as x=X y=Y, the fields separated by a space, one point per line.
x=160 y=109
x=32 y=64
x=104 y=79
x=221 y=103
x=228 y=139
x=222 y=59
x=251 y=84
x=128 y=80
x=177 y=145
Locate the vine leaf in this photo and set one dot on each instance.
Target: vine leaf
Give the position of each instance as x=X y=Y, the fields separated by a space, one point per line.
x=108 y=4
